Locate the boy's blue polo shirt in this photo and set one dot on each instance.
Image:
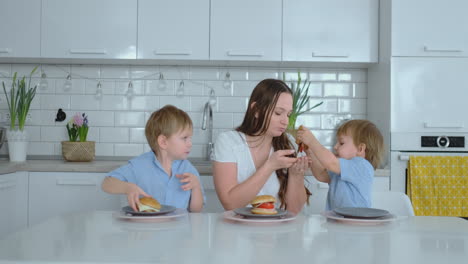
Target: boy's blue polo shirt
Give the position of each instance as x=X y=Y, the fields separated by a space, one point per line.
x=353 y=186
x=146 y=172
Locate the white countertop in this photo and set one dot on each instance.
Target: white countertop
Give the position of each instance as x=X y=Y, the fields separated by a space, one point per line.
x=203 y=166
x=97 y=237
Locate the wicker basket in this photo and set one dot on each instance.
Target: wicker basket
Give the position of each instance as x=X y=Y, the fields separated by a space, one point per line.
x=78 y=151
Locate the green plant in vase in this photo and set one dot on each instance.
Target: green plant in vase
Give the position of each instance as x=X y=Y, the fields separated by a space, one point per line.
x=300 y=100
x=19 y=99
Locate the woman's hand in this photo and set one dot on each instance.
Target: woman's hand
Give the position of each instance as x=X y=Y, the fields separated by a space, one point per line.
x=299 y=167
x=189 y=181
x=280 y=160
x=133 y=195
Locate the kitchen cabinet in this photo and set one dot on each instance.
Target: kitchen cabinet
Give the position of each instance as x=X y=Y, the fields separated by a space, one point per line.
x=333 y=30
x=20 y=28
x=177 y=29
x=426 y=95
x=429 y=28
x=245 y=30
x=55 y=193
x=14 y=202
x=92 y=29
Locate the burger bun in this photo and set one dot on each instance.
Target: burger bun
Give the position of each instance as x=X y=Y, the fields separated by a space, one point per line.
x=145 y=204
x=264 y=211
x=263 y=199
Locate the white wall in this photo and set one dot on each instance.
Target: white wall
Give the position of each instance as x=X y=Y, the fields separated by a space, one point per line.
x=117 y=124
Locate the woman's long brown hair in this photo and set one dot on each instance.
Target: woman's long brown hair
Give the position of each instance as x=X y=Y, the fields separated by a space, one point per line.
x=257 y=120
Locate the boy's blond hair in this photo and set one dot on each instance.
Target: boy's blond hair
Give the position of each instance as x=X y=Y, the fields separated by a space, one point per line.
x=365 y=132
x=166 y=121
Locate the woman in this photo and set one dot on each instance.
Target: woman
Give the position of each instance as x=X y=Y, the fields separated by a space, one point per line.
x=258 y=157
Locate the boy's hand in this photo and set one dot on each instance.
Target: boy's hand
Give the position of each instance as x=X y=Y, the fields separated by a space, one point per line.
x=133 y=195
x=189 y=181
x=304 y=135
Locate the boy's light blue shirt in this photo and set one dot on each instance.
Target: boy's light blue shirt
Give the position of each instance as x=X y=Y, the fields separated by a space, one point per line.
x=146 y=172
x=353 y=187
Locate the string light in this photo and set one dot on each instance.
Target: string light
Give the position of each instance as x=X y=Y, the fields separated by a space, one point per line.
x=98 y=94
x=43 y=84
x=130 y=92
x=68 y=83
x=180 y=90
x=227 y=84
x=212 y=99
x=162 y=82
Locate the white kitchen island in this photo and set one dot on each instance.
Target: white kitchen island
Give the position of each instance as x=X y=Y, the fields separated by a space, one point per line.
x=98 y=237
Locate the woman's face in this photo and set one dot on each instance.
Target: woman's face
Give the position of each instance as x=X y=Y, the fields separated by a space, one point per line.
x=280 y=116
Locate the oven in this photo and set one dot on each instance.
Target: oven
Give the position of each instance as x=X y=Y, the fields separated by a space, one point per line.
x=405 y=145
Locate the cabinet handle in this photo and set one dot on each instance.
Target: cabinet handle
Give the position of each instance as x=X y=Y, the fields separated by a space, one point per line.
x=5 y=50
x=88 y=51
x=427 y=49
x=246 y=54
x=403 y=157
x=443 y=125
x=5 y=184
x=324 y=55
x=75 y=182
x=172 y=52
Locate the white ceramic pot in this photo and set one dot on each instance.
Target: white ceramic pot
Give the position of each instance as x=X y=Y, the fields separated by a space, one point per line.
x=17 y=145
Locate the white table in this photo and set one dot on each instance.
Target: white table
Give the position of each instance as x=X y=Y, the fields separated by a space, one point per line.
x=97 y=237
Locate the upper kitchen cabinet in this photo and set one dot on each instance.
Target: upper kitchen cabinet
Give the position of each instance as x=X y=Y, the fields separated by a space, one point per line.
x=20 y=28
x=427 y=95
x=246 y=30
x=429 y=28
x=332 y=30
x=91 y=29
x=177 y=29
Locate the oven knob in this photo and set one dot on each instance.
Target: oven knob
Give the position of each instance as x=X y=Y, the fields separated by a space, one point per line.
x=443 y=141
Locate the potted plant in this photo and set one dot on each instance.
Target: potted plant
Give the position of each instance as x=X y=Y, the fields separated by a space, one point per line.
x=19 y=99
x=300 y=101
x=78 y=148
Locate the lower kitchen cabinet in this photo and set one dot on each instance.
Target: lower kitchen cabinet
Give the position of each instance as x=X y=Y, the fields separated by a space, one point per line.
x=13 y=202
x=55 y=193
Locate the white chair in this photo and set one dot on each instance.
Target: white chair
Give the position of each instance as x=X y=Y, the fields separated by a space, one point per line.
x=396 y=203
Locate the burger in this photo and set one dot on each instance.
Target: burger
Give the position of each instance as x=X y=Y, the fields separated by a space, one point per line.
x=264 y=204
x=148 y=205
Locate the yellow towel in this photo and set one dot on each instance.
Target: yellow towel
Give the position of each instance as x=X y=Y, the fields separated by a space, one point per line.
x=438 y=185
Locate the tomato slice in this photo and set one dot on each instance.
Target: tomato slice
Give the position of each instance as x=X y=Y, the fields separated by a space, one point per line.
x=266 y=205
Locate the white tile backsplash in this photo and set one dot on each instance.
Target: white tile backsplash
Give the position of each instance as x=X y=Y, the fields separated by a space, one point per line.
x=49 y=102
x=128 y=149
x=117 y=123
x=129 y=119
x=337 y=90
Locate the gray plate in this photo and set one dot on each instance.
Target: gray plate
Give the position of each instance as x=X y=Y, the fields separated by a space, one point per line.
x=164 y=210
x=361 y=212
x=245 y=211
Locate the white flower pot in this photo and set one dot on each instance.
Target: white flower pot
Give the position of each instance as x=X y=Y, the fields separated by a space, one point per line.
x=17 y=145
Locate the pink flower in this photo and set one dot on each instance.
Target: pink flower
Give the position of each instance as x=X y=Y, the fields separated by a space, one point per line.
x=78 y=119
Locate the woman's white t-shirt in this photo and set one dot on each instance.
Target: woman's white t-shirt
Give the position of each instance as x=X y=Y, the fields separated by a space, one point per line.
x=231 y=146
